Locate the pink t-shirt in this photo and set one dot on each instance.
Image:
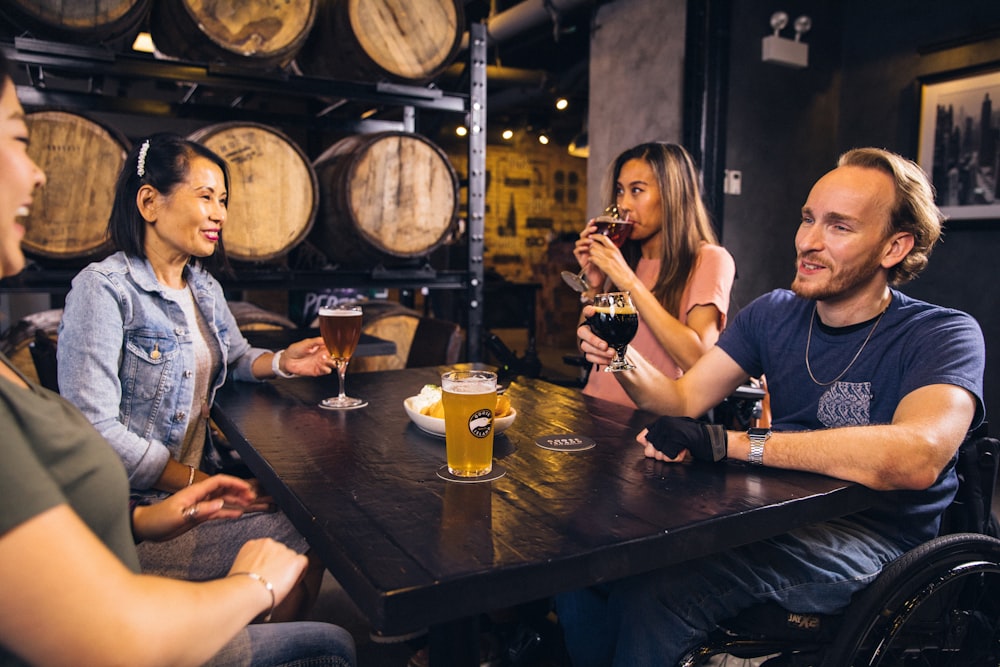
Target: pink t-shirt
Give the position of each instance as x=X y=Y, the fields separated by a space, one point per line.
x=710 y=284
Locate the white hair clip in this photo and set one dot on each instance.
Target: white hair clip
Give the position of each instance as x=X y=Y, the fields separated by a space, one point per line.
x=140 y=166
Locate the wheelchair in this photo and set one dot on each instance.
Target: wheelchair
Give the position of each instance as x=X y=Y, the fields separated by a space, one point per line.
x=937 y=604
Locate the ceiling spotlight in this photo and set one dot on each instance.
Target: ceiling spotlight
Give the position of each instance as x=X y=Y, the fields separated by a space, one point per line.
x=461 y=130
x=543 y=139
x=507 y=134
x=578 y=146
x=562 y=103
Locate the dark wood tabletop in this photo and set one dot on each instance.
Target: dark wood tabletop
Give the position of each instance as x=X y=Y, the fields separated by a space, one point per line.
x=276 y=339
x=413 y=550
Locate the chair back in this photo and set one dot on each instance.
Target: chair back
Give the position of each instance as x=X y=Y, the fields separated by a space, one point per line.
x=43 y=354
x=435 y=343
x=976 y=464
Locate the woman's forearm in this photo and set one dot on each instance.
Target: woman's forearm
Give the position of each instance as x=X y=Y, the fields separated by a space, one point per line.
x=684 y=344
x=143 y=620
x=177 y=475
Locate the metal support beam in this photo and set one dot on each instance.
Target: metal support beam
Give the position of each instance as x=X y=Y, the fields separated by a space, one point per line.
x=476 y=224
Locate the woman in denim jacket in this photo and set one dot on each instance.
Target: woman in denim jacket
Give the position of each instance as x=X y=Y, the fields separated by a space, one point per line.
x=150 y=339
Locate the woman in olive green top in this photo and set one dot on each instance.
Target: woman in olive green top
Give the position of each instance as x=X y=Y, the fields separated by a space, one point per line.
x=70 y=592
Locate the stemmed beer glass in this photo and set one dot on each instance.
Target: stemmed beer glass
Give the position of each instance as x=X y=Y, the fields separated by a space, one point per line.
x=610 y=225
x=341 y=330
x=616 y=321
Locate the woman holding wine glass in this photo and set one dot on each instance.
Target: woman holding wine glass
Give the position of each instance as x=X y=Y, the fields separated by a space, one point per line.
x=154 y=339
x=678 y=276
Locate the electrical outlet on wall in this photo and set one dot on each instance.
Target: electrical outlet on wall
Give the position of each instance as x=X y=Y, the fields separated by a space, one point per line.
x=733 y=184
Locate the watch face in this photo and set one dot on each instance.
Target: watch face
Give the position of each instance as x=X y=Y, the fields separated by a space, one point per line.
x=759 y=432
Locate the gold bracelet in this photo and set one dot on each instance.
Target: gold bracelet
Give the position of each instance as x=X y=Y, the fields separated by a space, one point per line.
x=267 y=585
x=191 y=476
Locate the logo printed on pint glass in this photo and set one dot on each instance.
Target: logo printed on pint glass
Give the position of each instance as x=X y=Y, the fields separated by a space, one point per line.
x=480 y=423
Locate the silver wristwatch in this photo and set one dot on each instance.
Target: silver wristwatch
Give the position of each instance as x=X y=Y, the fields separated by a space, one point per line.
x=758 y=436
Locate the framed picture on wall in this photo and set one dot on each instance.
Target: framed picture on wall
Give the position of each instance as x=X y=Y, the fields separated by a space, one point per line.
x=959 y=144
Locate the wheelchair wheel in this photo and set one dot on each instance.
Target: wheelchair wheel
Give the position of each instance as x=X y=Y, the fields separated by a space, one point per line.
x=938 y=604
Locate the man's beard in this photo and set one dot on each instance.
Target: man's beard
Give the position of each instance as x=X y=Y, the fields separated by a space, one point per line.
x=842 y=284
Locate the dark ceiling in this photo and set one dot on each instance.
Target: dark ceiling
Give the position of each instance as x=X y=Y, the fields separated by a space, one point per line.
x=555 y=52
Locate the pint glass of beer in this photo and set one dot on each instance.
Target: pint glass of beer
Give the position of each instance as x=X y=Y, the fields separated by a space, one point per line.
x=469 y=399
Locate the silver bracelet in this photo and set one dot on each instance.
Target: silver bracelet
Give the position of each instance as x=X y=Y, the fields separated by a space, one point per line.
x=191 y=476
x=267 y=585
x=276 y=366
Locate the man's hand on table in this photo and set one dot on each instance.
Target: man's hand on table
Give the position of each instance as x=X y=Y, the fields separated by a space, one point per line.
x=675 y=439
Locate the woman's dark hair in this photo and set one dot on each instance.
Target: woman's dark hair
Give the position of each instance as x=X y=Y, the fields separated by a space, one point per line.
x=162 y=161
x=5 y=70
x=685 y=222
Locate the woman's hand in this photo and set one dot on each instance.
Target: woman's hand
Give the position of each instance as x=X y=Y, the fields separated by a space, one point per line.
x=581 y=250
x=274 y=562
x=215 y=498
x=261 y=502
x=608 y=258
x=307 y=357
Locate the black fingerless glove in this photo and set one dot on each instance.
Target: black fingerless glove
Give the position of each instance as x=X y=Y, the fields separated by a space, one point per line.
x=672 y=435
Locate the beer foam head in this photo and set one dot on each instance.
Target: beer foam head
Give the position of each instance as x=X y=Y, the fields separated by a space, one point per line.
x=469 y=382
x=339 y=312
x=616 y=310
x=470 y=387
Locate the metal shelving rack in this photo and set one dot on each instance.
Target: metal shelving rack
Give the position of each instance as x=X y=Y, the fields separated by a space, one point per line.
x=108 y=78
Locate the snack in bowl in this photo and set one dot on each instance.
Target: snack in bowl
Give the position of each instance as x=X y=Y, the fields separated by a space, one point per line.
x=427 y=412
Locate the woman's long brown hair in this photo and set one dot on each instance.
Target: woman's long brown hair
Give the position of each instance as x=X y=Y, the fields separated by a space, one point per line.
x=685 y=220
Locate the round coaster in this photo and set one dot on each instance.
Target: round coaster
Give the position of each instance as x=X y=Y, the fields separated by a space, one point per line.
x=497 y=472
x=565 y=442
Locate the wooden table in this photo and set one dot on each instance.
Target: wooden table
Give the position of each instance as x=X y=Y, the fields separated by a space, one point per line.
x=414 y=551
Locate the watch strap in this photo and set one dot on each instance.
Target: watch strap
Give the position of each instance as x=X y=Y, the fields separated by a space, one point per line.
x=757 y=436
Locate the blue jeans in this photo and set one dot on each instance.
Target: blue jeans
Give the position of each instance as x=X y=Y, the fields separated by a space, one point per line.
x=655 y=618
x=298 y=644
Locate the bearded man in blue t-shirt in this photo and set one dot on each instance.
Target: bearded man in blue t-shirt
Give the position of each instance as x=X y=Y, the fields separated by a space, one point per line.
x=866 y=384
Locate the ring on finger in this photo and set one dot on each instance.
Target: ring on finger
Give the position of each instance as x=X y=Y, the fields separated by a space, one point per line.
x=191 y=513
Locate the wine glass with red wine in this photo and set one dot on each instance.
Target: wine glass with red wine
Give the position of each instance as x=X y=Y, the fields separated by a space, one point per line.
x=610 y=225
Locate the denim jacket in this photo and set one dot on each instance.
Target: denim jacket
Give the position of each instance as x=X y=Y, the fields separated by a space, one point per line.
x=127 y=360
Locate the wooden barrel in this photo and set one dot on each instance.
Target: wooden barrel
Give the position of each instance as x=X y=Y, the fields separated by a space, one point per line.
x=91 y=22
x=17 y=338
x=398 y=40
x=256 y=35
x=252 y=317
x=383 y=195
x=81 y=160
x=273 y=195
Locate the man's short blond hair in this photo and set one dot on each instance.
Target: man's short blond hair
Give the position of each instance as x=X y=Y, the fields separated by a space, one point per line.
x=914 y=210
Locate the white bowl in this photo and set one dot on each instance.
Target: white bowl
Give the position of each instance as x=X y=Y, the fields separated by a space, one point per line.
x=435 y=426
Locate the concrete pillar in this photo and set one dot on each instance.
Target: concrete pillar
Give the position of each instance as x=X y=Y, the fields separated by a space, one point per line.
x=636 y=82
